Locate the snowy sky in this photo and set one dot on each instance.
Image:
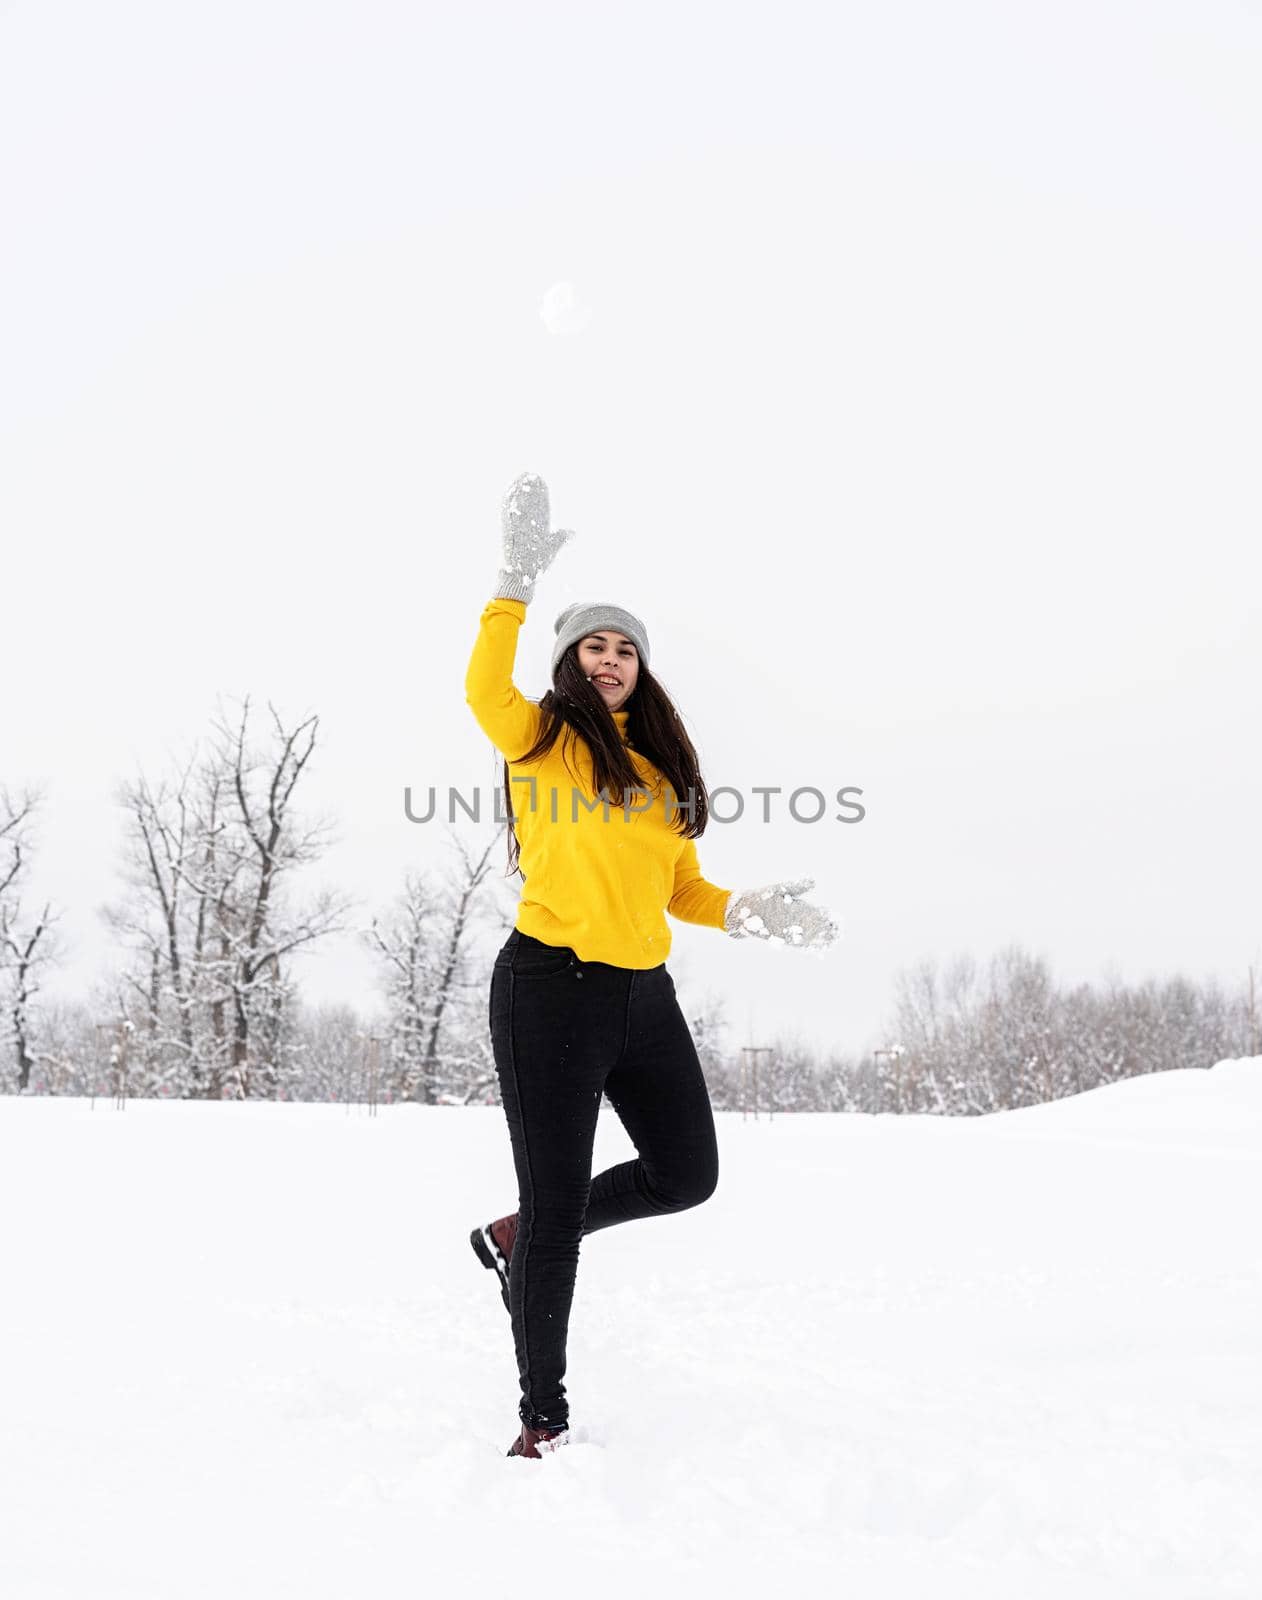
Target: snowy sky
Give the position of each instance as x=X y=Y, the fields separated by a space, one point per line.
x=910 y=397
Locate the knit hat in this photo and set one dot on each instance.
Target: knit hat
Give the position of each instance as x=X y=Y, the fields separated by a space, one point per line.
x=585 y=617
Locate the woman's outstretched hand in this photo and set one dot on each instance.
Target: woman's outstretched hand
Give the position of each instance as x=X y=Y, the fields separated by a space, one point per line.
x=530 y=541
x=774 y=912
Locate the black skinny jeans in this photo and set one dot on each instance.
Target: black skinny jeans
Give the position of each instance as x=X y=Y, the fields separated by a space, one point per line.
x=564 y=1031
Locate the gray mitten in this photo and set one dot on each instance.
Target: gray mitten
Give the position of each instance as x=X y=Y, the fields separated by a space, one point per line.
x=774 y=912
x=530 y=541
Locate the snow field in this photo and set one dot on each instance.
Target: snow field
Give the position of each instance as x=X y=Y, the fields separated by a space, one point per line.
x=248 y=1351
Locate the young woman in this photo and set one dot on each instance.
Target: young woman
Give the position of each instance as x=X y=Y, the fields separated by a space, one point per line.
x=605 y=800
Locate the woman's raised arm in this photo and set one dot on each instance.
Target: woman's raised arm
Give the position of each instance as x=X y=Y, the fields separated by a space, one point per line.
x=509 y=720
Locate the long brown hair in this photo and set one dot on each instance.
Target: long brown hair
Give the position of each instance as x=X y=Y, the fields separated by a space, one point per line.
x=573 y=709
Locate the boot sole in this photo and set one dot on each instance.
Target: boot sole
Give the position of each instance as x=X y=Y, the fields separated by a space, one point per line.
x=490 y=1257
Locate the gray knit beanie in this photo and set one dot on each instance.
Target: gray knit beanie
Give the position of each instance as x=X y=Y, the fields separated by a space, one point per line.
x=584 y=617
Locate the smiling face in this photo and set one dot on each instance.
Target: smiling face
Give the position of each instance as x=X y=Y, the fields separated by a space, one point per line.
x=610 y=656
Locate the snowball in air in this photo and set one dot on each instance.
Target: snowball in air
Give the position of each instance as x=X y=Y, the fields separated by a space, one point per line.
x=561 y=310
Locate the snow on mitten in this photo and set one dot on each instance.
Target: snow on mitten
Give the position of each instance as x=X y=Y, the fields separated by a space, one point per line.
x=530 y=541
x=775 y=913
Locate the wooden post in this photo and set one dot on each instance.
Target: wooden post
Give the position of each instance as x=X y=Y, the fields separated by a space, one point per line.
x=373 y=1058
x=754 y=1051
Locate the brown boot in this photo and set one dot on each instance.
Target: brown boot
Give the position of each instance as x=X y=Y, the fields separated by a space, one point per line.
x=493 y=1246
x=538 y=1442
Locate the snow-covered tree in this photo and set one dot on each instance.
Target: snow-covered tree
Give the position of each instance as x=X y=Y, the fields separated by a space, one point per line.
x=210 y=916
x=28 y=942
x=434 y=976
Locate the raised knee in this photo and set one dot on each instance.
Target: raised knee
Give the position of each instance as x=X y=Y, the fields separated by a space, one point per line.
x=695 y=1191
x=707 y=1188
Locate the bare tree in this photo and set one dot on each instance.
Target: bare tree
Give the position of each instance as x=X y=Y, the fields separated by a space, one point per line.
x=332 y=1042
x=209 y=917
x=27 y=945
x=434 y=982
x=402 y=938
x=161 y=839
x=261 y=845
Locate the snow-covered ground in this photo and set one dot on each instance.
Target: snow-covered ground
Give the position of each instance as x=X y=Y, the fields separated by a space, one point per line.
x=247 y=1351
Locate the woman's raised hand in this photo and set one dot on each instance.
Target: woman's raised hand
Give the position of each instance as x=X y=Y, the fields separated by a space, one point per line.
x=530 y=541
x=774 y=912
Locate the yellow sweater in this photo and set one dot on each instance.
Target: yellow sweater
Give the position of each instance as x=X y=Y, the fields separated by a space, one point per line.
x=598 y=883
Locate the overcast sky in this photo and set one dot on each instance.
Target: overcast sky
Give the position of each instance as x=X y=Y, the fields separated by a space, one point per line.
x=910 y=393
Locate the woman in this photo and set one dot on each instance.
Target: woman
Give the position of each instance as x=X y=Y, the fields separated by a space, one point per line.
x=581 y=1002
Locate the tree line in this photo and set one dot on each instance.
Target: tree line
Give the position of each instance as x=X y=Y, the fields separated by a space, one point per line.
x=214 y=907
